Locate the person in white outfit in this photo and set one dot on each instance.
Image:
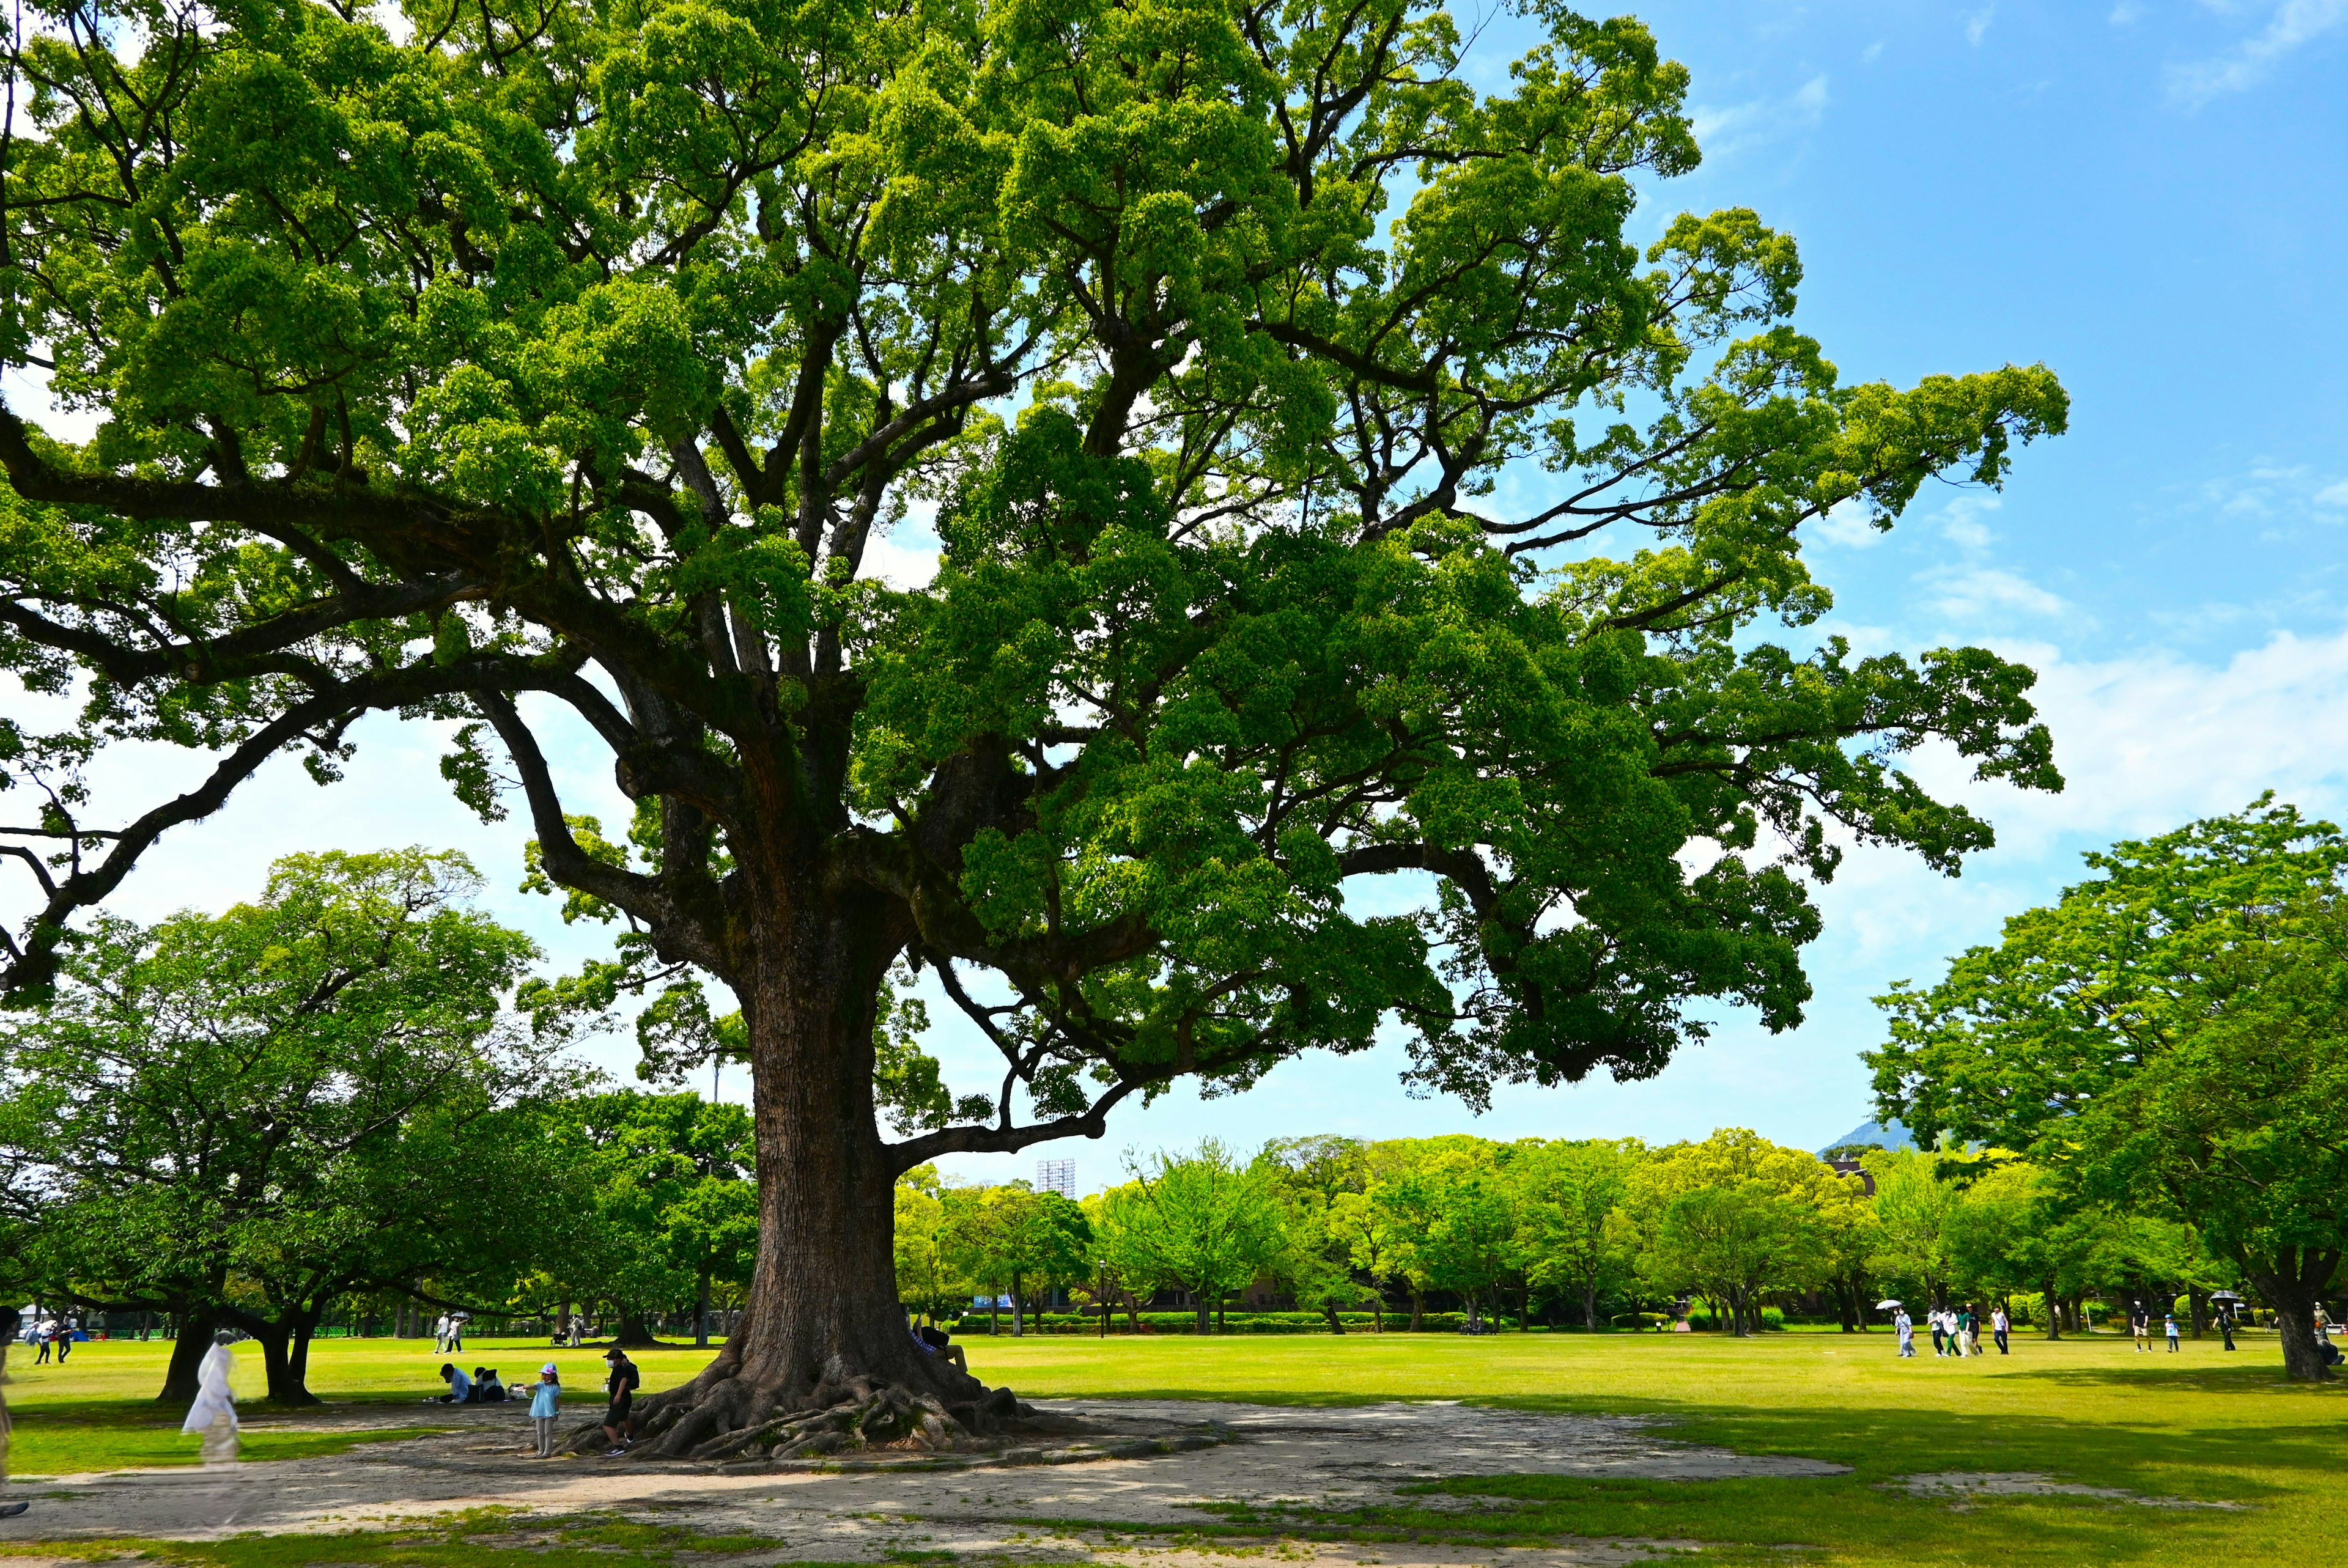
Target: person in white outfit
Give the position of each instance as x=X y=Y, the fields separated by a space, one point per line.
x=544 y=1401
x=215 y=1412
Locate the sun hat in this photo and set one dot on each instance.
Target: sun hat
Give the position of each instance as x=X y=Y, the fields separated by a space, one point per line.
x=549 y=1367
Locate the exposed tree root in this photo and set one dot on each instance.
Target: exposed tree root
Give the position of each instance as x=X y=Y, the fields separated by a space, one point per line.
x=737 y=1418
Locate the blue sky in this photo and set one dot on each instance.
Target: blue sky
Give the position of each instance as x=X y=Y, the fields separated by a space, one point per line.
x=2150 y=197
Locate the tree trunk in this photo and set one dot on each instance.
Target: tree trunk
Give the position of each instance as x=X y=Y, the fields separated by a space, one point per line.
x=195 y=1337
x=562 y=1322
x=1336 y=1324
x=1418 y=1311
x=1199 y=1310
x=284 y=1357
x=2200 y=1310
x=1590 y=1305
x=822 y=1325
x=701 y=1313
x=2053 y=1310
x=2293 y=1281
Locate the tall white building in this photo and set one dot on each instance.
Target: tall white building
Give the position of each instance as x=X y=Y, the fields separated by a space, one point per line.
x=1056 y=1176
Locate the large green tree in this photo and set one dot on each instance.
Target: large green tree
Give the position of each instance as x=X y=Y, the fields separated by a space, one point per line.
x=1374 y=506
x=2171 y=1037
x=239 y=1118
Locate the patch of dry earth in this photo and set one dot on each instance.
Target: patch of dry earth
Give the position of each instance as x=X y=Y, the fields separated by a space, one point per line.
x=1323 y=1456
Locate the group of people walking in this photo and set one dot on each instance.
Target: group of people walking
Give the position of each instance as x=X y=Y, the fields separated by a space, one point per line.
x=1956 y=1331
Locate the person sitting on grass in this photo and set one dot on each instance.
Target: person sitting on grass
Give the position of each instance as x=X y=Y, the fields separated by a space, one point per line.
x=460 y=1387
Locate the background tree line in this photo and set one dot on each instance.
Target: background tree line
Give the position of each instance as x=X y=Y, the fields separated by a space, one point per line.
x=1589 y=1233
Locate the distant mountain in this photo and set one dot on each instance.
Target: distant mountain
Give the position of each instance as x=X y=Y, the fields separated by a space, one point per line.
x=1891 y=1135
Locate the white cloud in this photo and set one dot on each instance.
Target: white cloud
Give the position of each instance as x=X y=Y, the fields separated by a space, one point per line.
x=2332 y=495
x=2124 y=13
x=1721 y=131
x=2293 y=25
x=1977 y=25
x=1968 y=593
x=1871 y=54
x=1960 y=521
x=1848 y=524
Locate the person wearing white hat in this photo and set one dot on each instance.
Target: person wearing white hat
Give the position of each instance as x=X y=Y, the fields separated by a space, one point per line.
x=543 y=1400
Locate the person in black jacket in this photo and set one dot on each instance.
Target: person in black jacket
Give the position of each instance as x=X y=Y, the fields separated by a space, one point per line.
x=620 y=1421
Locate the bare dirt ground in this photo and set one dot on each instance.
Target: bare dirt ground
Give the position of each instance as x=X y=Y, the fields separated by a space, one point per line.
x=1106 y=1510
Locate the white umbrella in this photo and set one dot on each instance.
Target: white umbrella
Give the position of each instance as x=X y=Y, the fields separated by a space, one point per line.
x=1885 y=1306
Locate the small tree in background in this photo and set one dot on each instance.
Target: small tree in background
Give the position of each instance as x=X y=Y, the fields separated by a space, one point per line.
x=929 y=1274
x=239 y=1118
x=1313 y=1176
x=1732 y=1218
x=1202 y=1221
x=1566 y=1191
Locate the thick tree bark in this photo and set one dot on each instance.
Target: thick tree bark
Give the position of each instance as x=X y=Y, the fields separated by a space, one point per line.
x=195 y=1337
x=1590 y=1306
x=2293 y=1281
x=285 y=1360
x=823 y=1326
x=2053 y=1310
x=701 y=1313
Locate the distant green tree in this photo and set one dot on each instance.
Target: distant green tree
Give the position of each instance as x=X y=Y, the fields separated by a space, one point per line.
x=1020 y=1242
x=930 y=1277
x=674 y=1204
x=239 y=1118
x=1566 y=1191
x=1201 y=1221
x=1913 y=1208
x=2171 y=1037
x=1454 y=1218
x=1316 y=1266
x=1732 y=1218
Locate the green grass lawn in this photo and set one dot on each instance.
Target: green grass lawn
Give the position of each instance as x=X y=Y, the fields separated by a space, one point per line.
x=97 y=1411
x=2201 y=1426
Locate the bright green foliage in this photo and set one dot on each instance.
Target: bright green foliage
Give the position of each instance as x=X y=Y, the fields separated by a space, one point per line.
x=1732 y=1218
x=2172 y=1034
x=930 y=1276
x=1017 y=1242
x=1201 y=1222
x=1453 y=1213
x=673 y=1213
x=1316 y=1178
x=1566 y=1192
x=585 y=353
x=242 y=1117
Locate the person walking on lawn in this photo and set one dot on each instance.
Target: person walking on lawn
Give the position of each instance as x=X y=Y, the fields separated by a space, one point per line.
x=2169 y=1324
x=1906 y=1328
x=2140 y=1324
x=544 y=1399
x=619 y=1421
x=1999 y=1324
